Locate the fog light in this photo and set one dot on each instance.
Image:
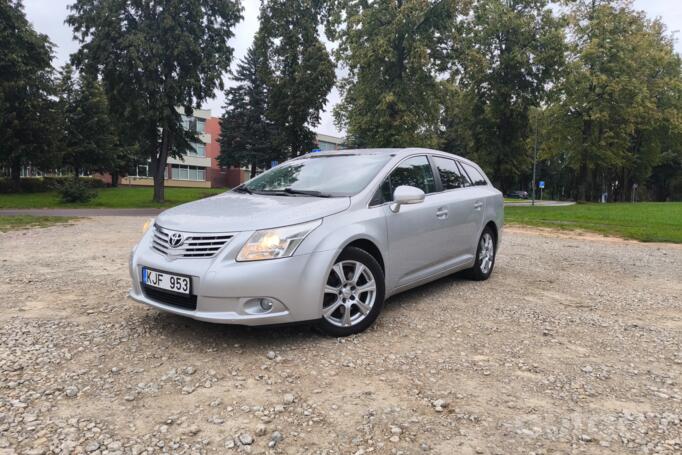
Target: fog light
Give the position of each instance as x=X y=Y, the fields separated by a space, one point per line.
x=265 y=304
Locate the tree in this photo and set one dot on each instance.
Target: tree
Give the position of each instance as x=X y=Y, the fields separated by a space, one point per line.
x=27 y=111
x=154 y=56
x=508 y=54
x=618 y=115
x=89 y=140
x=247 y=134
x=302 y=72
x=394 y=53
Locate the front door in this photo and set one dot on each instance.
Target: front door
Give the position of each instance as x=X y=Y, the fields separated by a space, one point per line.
x=419 y=241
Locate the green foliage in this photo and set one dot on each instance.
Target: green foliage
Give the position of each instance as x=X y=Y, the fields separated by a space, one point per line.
x=248 y=136
x=619 y=114
x=301 y=71
x=123 y=197
x=88 y=132
x=75 y=191
x=507 y=55
x=647 y=222
x=43 y=184
x=28 y=122
x=154 y=56
x=393 y=51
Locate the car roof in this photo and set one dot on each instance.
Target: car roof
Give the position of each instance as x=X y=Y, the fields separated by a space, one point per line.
x=398 y=152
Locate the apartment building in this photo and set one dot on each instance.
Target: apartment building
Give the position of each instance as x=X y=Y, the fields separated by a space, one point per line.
x=199 y=168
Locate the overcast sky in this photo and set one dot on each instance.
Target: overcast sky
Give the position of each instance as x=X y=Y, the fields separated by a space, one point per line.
x=48 y=17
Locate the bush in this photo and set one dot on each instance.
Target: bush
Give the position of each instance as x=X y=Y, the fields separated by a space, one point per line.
x=76 y=191
x=43 y=184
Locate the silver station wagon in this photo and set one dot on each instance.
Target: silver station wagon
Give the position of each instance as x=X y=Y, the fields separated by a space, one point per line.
x=325 y=237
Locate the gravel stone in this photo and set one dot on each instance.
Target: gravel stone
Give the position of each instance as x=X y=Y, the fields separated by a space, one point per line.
x=246 y=439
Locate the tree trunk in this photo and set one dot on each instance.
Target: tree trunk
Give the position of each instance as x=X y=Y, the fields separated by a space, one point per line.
x=253 y=170
x=15 y=173
x=583 y=170
x=159 y=164
x=114 y=179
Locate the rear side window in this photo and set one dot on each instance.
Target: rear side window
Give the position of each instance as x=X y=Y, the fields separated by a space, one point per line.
x=450 y=175
x=474 y=174
x=415 y=171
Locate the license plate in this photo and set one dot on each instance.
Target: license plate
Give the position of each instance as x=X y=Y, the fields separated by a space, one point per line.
x=171 y=282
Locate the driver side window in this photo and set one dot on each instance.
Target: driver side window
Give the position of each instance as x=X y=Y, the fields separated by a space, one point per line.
x=415 y=171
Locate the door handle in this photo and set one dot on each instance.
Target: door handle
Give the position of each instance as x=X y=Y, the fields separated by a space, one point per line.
x=442 y=213
x=478 y=205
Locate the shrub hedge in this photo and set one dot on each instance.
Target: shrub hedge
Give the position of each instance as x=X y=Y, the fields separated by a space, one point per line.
x=43 y=184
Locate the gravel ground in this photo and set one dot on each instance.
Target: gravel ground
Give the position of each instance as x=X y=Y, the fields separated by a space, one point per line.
x=573 y=346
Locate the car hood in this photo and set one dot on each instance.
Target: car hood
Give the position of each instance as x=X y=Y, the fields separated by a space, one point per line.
x=235 y=212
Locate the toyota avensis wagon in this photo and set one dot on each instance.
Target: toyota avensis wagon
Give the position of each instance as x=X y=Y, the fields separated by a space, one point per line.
x=325 y=237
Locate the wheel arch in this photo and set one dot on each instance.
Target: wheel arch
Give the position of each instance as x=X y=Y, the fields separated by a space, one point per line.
x=370 y=247
x=493 y=227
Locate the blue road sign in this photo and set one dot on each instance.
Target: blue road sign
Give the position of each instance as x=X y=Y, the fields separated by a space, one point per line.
x=541 y=184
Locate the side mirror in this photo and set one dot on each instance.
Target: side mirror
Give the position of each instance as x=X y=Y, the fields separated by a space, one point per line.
x=404 y=195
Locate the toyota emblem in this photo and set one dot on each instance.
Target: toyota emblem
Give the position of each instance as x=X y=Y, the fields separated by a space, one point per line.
x=175 y=240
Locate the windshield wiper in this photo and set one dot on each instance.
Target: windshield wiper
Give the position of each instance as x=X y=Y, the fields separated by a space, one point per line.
x=306 y=192
x=242 y=189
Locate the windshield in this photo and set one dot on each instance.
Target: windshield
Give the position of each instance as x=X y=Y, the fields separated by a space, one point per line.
x=331 y=175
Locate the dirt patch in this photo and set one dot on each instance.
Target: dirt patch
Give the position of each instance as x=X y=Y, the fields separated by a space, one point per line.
x=577 y=234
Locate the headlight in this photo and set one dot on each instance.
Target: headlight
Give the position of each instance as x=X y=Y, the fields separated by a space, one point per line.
x=147 y=224
x=275 y=243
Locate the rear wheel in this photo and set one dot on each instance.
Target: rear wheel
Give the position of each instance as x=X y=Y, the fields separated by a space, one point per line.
x=485 y=256
x=353 y=294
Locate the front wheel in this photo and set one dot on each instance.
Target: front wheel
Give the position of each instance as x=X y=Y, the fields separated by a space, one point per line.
x=485 y=257
x=353 y=294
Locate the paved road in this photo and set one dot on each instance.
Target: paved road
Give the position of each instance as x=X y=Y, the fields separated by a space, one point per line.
x=526 y=203
x=81 y=212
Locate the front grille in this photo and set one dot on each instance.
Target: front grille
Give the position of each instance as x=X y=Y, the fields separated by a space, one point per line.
x=192 y=246
x=188 y=302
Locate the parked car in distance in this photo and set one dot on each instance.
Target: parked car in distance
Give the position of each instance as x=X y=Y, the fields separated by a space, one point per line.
x=325 y=237
x=518 y=195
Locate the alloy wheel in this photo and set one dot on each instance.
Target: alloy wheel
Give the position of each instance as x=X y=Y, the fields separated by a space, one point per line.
x=349 y=294
x=486 y=253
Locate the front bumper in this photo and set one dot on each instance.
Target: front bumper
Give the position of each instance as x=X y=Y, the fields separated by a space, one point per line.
x=223 y=287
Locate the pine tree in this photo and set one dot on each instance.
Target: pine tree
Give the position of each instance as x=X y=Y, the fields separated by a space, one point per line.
x=302 y=72
x=248 y=137
x=89 y=139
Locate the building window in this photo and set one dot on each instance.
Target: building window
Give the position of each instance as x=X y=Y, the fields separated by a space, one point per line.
x=324 y=146
x=198 y=149
x=193 y=124
x=30 y=171
x=182 y=172
x=142 y=170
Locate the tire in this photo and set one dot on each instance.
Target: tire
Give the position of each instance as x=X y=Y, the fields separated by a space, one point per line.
x=486 y=253
x=350 y=304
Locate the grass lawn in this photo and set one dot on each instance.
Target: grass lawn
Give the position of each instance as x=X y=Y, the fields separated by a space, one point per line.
x=9 y=223
x=123 y=197
x=646 y=222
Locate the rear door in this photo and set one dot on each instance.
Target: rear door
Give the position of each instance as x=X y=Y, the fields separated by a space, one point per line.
x=463 y=206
